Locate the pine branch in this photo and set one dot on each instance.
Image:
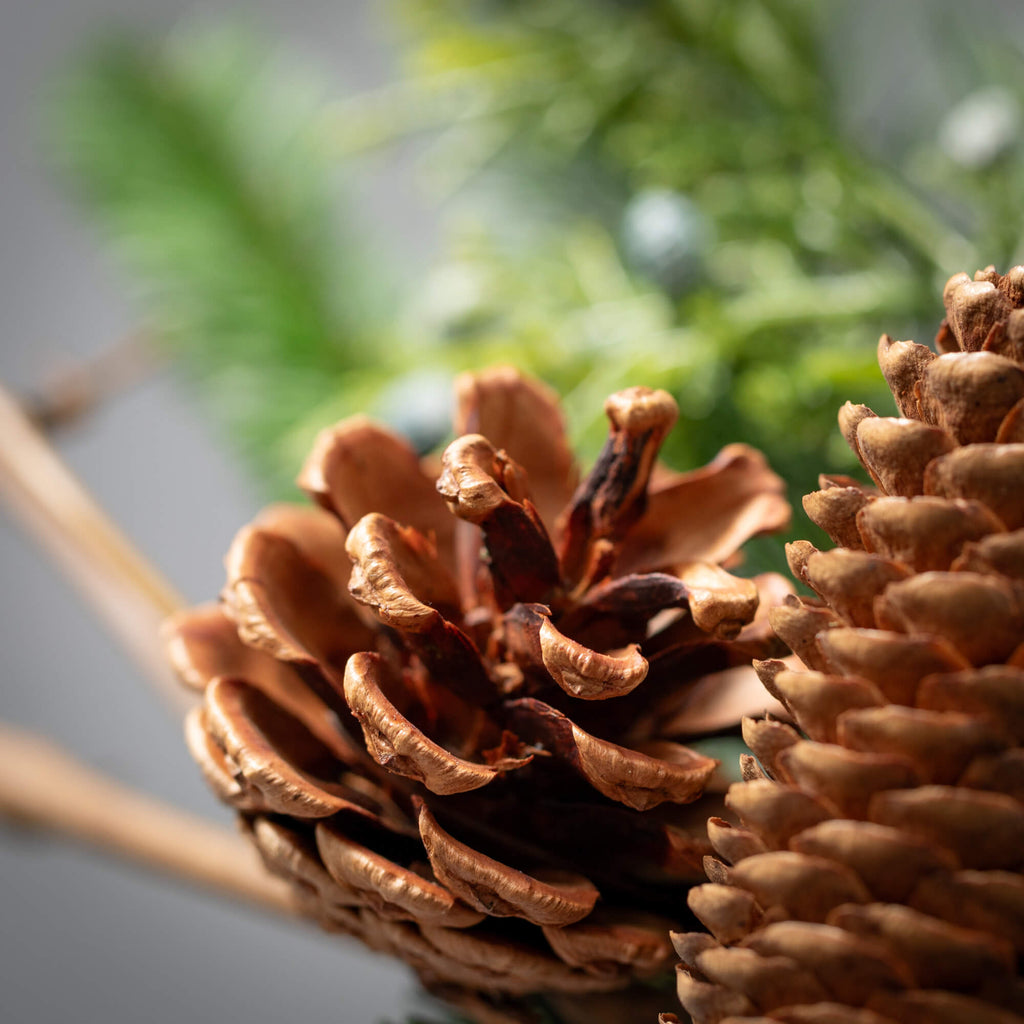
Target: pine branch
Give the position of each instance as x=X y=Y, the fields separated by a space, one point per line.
x=561 y=114
x=203 y=162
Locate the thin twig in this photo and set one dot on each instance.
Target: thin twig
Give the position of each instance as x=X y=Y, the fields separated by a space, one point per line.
x=74 y=391
x=127 y=592
x=42 y=786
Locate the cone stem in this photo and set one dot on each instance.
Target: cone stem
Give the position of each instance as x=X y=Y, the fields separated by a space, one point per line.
x=44 y=787
x=126 y=591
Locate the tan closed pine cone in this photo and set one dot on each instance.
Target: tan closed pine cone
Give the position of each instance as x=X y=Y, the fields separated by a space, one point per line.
x=447 y=702
x=876 y=875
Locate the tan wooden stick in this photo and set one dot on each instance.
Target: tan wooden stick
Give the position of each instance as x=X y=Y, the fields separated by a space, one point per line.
x=52 y=506
x=42 y=786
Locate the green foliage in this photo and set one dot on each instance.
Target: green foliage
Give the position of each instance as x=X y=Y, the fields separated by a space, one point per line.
x=778 y=249
x=740 y=369
x=729 y=101
x=202 y=161
x=577 y=110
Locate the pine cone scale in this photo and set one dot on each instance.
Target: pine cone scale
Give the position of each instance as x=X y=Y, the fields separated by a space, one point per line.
x=496 y=889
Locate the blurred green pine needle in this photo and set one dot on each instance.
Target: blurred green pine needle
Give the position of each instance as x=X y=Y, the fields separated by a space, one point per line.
x=656 y=191
x=203 y=162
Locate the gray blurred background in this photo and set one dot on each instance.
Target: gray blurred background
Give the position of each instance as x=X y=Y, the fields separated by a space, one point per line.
x=84 y=937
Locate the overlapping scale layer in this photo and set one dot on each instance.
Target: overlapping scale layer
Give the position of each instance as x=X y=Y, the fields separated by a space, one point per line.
x=450 y=701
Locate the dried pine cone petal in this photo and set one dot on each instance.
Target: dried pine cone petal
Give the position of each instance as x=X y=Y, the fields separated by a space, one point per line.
x=614 y=942
x=275 y=754
x=481 y=485
x=882 y=851
x=358 y=467
x=447 y=700
x=219 y=771
x=395 y=890
x=286 y=588
x=499 y=890
x=292 y=854
x=522 y=417
x=398 y=745
x=613 y=496
x=625 y=775
x=706 y=514
x=586 y=674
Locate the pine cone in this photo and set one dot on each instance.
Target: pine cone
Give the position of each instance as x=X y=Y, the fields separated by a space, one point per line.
x=458 y=753
x=877 y=874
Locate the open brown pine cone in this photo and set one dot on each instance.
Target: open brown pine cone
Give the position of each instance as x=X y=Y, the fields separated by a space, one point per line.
x=441 y=727
x=877 y=874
